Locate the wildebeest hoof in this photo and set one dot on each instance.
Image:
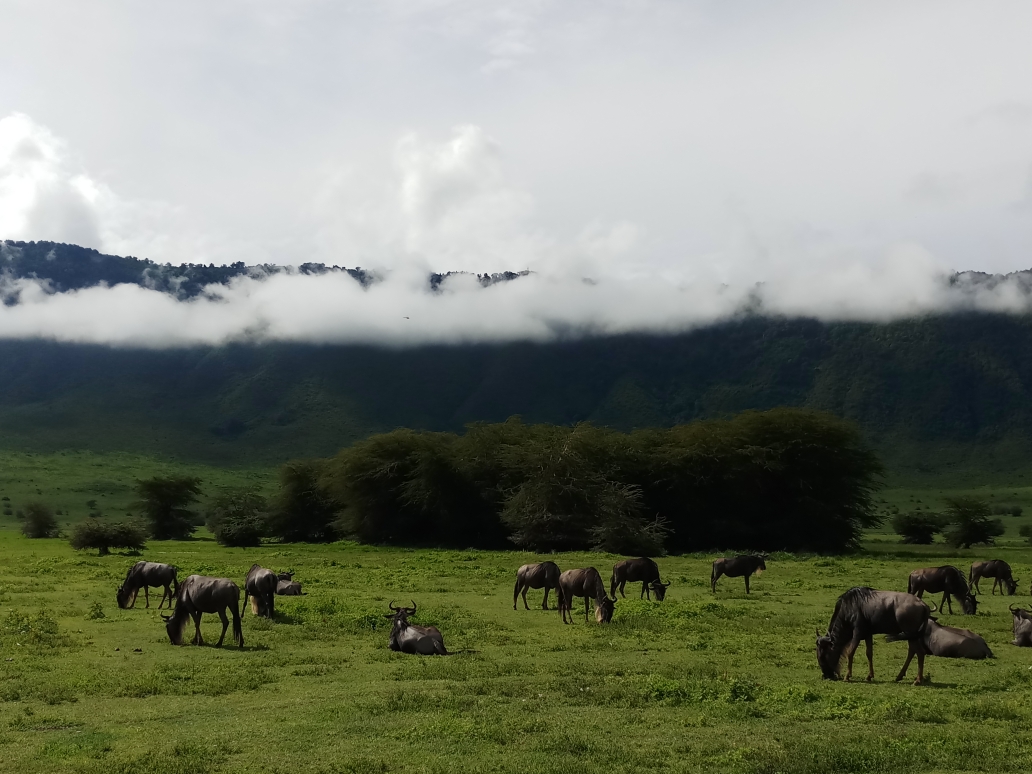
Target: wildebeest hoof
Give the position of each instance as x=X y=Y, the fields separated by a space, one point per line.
x=870 y=678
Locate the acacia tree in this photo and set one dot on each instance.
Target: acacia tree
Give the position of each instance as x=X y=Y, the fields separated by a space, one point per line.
x=40 y=521
x=917 y=527
x=238 y=518
x=93 y=533
x=165 y=503
x=302 y=511
x=971 y=522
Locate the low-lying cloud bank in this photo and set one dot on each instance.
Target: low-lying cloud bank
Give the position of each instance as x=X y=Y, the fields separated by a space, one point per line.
x=401 y=309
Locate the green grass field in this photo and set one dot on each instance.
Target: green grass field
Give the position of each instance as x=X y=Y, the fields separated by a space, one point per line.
x=695 y=683
x=699 y=682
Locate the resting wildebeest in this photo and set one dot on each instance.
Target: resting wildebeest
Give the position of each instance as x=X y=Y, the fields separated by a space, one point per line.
x=143 y=575
x=286 y=586
x=536 y=576
x=585 y=583
x=860 y=614
x=632 y=570
x=949 y=642
x=998 y=570
x=947 y=579
x=1022 y=627
x=737 y=567
x=409 y=638
x=200 y=594
x=260 y=585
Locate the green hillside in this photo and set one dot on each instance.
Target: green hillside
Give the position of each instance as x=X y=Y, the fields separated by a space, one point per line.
x=944 y=396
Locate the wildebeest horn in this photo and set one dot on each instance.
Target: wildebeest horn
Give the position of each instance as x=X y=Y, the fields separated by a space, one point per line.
x=165 y=617
x=934 y=608
x=1011 y=607
x=665 y=585
x=392 y=607
x=413 y=611
x=819 y=635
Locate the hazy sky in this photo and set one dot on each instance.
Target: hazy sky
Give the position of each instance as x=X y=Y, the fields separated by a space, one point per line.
x=817 y=145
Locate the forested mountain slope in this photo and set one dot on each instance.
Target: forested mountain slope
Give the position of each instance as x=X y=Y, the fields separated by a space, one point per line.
x=939 y=395
x=933 y=395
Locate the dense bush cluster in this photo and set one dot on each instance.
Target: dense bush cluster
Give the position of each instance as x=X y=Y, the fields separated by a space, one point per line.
x=238 y=518
x=40 y=521
x=783 y=479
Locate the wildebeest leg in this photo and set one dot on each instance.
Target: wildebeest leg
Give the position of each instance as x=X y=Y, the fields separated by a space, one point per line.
x=166 y=596
x=714 y=577
x=995 y=581
x=544 y=602
x=645 y=592
x=225 y=625
x=946 y=600
x=272 y=605
x=198 y=639
x=906 y=664
x=135 y=592
x=920 y=667
x=146 y=595
x=870 y=659
x=586 y=609
x=747 y=584
x=850 y=651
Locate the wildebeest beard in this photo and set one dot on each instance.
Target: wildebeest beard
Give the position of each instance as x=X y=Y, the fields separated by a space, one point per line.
x=175 y=624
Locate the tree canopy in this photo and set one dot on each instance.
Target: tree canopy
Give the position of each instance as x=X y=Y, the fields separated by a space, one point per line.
x=164 y=503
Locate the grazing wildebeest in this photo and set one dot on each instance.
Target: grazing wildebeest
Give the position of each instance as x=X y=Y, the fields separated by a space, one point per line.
x=260 y=585
x=286 y=586
x=536 y=576
x=632 y=570
x=860 y=614
x=998 y=570
x=201 y=594
x=947 y=579
x=737 y=567
x=950 y=642
x=585 y=583
x=143 y=575
x=1022 y=627
x=409 y=638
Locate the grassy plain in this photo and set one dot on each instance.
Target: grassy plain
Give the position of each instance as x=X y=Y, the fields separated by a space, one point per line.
x=696 y=683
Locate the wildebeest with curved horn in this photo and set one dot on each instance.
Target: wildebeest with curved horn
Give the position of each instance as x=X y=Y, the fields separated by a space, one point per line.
x=260 y=586
x=998 y=570
x=585 y=583
x=860 y=614
x=1022 y=627
x=286 y=586
x=633 y=570
x=143 y=575
x=544 y=575
x=947 y=579
x=202 y=594
x=737 y=567
x=409 y=638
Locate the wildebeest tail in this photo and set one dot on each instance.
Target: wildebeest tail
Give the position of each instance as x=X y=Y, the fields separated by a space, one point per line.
x=175 y=581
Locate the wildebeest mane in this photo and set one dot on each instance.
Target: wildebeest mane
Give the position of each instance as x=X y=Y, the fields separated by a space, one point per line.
x=178 y=619
x=848 y=609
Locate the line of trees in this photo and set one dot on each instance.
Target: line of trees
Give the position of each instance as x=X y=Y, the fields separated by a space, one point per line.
x=783 y=479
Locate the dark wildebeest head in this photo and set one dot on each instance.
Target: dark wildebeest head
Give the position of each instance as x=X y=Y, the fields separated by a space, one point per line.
x=409 y=638
x=827 y=657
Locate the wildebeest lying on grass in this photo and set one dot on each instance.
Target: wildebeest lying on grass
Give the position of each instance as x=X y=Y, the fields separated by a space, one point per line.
x=948 y=642
x=736 y=568
x=544 y=575
x=260 y=584
x=143 y=575
x=947 y=579
x=201 y=594
x=633 y=570
x=409 y=638
x=1022 y=627
x=998 y=570
x=860 y=614
x=585 y=583
x=286 y=586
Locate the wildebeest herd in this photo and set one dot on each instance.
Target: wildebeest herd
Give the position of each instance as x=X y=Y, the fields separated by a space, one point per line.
x=859 y=614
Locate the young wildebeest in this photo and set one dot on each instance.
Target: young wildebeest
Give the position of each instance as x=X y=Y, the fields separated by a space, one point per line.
x=536 y=576
x=286 y=586
x=260 y=586
x=1022 y=627
x=200 y=594
x=998 y=570
x=632 y=570
x=145 y=574
x=735 y=568
x=585 y=583
x=860 y=614
x=409 y=638
x=950 y=581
